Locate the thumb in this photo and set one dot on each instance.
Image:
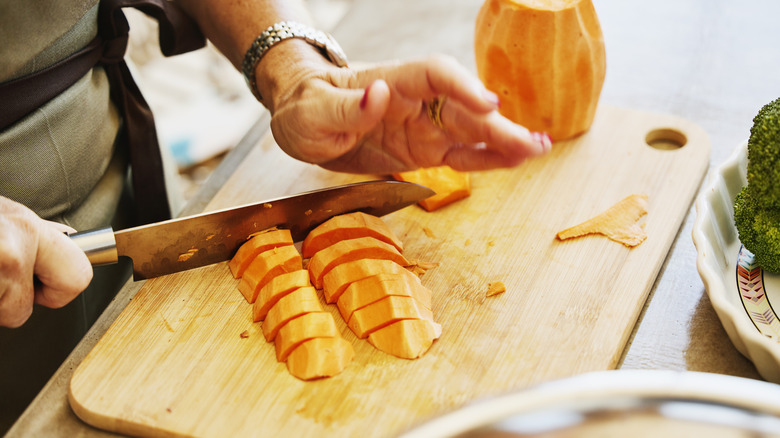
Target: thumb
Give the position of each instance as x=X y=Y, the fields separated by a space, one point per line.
x=61 y=266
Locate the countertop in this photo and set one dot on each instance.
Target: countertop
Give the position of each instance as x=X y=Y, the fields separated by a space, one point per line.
x=713 y=62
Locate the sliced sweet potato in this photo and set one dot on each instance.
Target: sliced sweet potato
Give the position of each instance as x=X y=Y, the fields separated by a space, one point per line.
x=449 y=185
x=348 y=226
x=339 y=278
x=348 y=250
x=297 y=303
x=407 y=339
x=265 y=267
x=257 y=244
x=376 y=287
x=275 y=289
x=618 y=223
x=298 y=330
x=385 y=312
x=320 y=357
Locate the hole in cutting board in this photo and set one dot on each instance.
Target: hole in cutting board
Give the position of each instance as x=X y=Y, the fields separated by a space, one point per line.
x=666 y=139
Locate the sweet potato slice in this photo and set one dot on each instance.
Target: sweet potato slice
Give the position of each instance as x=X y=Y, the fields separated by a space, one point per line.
x=265 y=267
x=320 y=357
x=348 y=250
x=257 y=244
x=339 y=278
x=348 y=226
x=297 y=303
x=407 y=339
x=385 y=312
x=376 y=287
x=618 y=223
x=275 y=289
x=298 y=330
x=449 y=185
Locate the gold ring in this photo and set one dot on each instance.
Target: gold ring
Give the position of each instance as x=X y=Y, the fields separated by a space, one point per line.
x=434 y=111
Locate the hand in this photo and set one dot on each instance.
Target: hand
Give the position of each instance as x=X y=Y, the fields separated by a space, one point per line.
x=375 y=120
x=33 y=248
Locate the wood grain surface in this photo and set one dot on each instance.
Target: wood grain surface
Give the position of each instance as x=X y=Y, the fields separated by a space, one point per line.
x=174 y=361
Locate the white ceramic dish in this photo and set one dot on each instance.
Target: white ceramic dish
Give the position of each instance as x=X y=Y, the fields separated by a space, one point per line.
x=623 y=403
x=746 y=299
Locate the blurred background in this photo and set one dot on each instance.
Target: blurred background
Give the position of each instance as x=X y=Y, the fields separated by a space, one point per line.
x=201 y=104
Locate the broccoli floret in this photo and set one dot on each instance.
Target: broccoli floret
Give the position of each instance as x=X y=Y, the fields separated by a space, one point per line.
x=757 y=206
x=763 y=171
x=759 y=230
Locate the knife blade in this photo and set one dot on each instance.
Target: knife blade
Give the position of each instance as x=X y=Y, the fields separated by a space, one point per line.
x=185 y=243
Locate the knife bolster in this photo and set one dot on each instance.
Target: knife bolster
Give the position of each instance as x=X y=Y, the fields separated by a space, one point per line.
x=99 y=245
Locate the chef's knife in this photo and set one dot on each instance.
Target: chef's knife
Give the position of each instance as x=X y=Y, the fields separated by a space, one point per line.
x=190 y=242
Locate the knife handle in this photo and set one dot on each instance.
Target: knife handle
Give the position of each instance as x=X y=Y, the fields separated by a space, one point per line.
x=99 y=245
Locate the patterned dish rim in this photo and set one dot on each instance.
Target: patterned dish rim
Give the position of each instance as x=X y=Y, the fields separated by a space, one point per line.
x=736 y=286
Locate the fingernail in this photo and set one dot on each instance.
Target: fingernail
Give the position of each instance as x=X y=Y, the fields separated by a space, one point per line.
x=364 y=100
x=542 y=138
x=492 y=98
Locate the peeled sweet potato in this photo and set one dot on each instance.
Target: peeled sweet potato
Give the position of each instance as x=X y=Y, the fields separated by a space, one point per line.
x=265 y=267
x=298 y=330
x=339 y=278
x=407 y=339
x=385 y=312
x=275 y=289
x=376 y=287
x=257 y=244
x=348 y=250
x=348 y=226
x=449 y=185
x=320 y=357
x=297 y=303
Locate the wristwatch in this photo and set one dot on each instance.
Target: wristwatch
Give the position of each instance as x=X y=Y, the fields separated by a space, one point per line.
x=280 y=32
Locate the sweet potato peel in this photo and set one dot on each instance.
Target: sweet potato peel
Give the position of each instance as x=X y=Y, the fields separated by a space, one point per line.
x=618 y=223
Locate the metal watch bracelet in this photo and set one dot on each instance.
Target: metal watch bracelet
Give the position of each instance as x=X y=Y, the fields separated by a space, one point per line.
x=280 y=32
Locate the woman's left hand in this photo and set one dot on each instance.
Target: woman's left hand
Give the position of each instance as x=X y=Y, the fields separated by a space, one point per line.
x=376 y=120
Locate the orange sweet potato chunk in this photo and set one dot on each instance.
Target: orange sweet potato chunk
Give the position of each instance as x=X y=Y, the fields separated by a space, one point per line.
x=265 y=267
x=275 y=289
x=618 y=223
x=335 y=282
x=349 y=250
x=385 y=312
x=449 y=185
x=297 y=303
x=348 y=226
x=257 y=244
x=376 y=287
x=301 y=329
x=320 y=357
x=407 y=339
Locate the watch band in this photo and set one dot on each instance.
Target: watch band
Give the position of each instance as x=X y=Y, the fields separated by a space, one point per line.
x=280 y=32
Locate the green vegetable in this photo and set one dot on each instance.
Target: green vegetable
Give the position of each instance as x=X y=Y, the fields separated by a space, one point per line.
x=757 y=206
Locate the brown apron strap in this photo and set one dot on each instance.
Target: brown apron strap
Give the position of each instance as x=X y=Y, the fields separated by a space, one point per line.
x=23 y=95
x=141 y=136
x=178 y=34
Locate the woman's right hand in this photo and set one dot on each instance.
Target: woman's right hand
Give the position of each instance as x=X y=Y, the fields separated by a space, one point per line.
x=38 y=264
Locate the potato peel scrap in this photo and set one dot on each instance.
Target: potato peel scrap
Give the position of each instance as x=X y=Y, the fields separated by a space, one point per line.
x=618 y=223
x=419 y=267
x=495 y=288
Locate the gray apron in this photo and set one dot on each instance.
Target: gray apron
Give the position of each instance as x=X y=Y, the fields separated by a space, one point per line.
x=62 y=160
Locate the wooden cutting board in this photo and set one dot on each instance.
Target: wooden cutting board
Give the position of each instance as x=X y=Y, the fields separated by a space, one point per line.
x=175 y=363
